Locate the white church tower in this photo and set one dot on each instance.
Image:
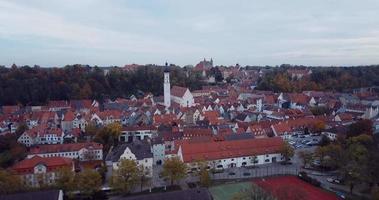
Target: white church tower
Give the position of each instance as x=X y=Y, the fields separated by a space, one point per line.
x=166 y=87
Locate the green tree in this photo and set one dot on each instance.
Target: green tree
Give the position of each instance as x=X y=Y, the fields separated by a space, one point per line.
x=174 y=169
x=88 y=182
x=360 y=127
x=10 y=183
x=126 y=177
x=65 y=180
x=21 y=129
x=287 y=152
x=306 y=157
x=375 y=193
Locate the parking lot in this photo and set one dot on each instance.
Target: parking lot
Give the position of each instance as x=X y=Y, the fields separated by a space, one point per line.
x=304 y=141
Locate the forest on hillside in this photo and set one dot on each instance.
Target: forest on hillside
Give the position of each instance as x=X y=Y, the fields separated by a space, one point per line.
x=27 y=85
x=338 y=79
x=36 y=86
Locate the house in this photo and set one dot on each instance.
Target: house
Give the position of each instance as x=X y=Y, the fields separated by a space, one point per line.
x=158 y=148
x=232 y=153
x=37 y=170
x=106 y=117
x=41 y=134
x=139 y=151
x=182 y=96
x=203 y=67
x=191 y=132
x=299 y=73
x=287 y=128
x=81 y=151
x=131 y=133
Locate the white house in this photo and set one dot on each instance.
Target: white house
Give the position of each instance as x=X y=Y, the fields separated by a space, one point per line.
x=41 y=135
x=38 y=170
x=80 y=151
x=139 y=151
x=182 y=96
x=132 y=133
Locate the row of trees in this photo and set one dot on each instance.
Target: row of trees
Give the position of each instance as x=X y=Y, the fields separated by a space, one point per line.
x=322 y=78
x=125 y=178
x=87 y=182
x=35 y=86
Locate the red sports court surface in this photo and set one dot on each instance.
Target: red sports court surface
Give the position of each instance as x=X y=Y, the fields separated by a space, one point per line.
x=291 y=187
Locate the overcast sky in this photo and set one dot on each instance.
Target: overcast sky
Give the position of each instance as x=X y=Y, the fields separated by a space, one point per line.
x=252 y=32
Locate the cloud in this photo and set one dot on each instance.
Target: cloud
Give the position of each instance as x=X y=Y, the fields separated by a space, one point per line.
x=248 y=31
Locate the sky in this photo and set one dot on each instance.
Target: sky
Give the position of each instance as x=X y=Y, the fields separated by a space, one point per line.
x=53 y=33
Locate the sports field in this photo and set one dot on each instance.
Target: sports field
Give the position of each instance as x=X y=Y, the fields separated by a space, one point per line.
x=291 y=187
x=227 y=191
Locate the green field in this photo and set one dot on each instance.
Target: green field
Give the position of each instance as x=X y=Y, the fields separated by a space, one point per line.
x=227 y=191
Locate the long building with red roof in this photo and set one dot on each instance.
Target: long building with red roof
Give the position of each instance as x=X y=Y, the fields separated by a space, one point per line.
x=81 y=151
x=38 y=170
x=234 y=153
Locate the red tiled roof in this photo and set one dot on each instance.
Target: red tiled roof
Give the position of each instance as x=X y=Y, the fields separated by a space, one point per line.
x=110 y=113
x=69 y=116
x=52 y=163
x=10 y=109
x=178 y=91
x=164 y=119
x=230 y=149
x=138 y=128
x=197 y=132
x=57 y=104
x=52 y=148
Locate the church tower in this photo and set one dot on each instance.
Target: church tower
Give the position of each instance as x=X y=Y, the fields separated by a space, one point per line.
x=166 y=87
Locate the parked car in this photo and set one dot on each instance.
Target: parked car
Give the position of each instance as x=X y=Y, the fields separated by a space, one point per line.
x=334 y=180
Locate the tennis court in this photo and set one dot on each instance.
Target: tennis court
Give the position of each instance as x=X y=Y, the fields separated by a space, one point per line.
x=289 y=187
x=227 y=191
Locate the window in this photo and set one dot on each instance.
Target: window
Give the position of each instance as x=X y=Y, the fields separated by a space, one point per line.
x=267 y=160
x=232 y=159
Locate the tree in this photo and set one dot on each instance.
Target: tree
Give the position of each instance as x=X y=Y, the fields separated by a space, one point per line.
x=91 y=129
x=174 y=169
x=254 y=158
x=360 y=127
x=306 y=157
x=144 y=179
x=65 y=180
x=205 y=179
x=126 y=177
x=10 y=183
x=108 y=135
x=375 y=193
x=287 y=152
x=88 y=182
x=21 y=129
x=319 y=126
